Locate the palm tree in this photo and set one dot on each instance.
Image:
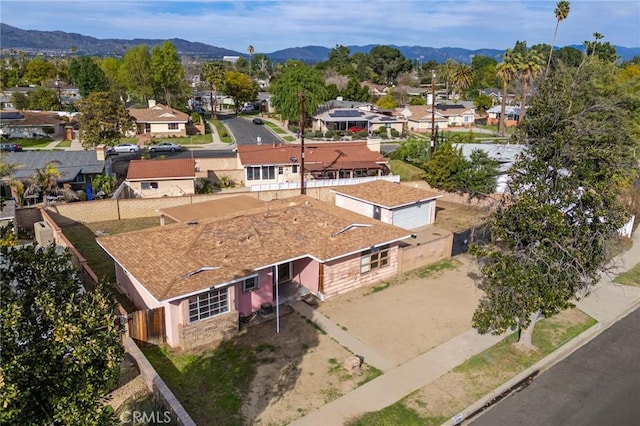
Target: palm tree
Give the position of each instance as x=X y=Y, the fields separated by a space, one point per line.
x=505 y=71
x=561 y=11
x=44 y=181
x=446 y=71
x=462 y=78
x=214 y=74
x=529 y=66
x=251 y=50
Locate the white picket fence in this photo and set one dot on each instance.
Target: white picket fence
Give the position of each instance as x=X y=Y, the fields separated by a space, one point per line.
x=626 y=230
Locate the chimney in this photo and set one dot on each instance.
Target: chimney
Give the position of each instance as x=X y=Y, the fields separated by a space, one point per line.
x=152 y=103
x=100 y=152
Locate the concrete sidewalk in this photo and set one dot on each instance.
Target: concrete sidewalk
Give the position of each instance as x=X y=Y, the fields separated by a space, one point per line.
x=607 y=303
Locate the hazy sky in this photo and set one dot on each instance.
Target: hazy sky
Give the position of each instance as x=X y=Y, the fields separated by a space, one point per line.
x=273 y=25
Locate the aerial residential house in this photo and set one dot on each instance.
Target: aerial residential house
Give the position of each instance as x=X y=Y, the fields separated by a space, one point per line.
x=419 y=119
x=505 y=155
x=77 y=168
x=345 y=118
x=159 y=120
x=512 y=115
x=31 y=124
x=460 y=114
x=160 y=178
x=399 y=205
x=280 y=163
x=204 y=274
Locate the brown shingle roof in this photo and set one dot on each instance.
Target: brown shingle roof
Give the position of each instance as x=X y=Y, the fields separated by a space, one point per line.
x=316 y=155
x=162 y=169
x=206 y=209
x=386 y=194
x=163 y=258
x=32 y=118
x=158 y=114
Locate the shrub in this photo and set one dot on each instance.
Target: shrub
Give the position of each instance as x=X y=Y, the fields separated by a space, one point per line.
x=330 y=134
x=319 y=134
x=195 y=117
x=394 y=133
x=383 y=135
x=362 y=135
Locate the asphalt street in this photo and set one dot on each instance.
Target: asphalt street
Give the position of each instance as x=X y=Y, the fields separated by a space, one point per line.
x=597 y=385
x=247 y=133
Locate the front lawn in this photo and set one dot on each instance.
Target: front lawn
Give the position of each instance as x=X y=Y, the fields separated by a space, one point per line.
x=32 y=143
x=631 y=277
x=211 y=385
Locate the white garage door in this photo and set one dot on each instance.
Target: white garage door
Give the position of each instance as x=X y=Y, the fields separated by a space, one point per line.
x=412 y=217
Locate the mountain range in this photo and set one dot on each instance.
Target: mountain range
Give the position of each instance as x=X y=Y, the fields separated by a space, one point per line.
x=60 y=42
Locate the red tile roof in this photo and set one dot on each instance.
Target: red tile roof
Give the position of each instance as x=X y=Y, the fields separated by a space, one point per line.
x=317 y=156
x=162 y=169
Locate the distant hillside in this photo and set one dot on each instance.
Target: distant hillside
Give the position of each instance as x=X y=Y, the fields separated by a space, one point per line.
x=59 y=41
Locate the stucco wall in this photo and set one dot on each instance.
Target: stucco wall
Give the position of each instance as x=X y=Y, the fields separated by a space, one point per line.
x=306 y=272
x=343 y=275
x=251 y=301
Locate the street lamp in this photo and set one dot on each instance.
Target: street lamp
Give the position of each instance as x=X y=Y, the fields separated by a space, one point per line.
x=56 y=83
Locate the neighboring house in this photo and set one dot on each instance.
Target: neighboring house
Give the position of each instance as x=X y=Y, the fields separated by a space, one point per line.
x=31 y=124
x=160 y=120
x=280 y=163
x=160 y=178
x=343 y=119
x=205 y=273
x=505 y=154
x=419 y=119
x=77 y=168
x=496 y=95
x=461 y=114
x=512 y=115
x=375 y=90
x=392 y=203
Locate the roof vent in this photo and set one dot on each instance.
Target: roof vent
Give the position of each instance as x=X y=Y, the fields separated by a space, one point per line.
x=193 y=222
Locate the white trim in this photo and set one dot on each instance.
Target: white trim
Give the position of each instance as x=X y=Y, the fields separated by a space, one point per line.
x=367 y=248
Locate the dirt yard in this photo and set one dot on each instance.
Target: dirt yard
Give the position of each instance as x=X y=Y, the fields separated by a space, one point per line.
x=303 y=371
x=407 y=319
x=305 y=368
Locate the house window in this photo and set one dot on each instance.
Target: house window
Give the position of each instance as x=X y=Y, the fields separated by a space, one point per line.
x=360 y=173
x=250 y=284
x=284 y=272
x=173 y=126
x=294 y=168
x=375 y=258
x=268 y=172
x=149 y=185
x=208 y=304
x=253 y=173
x=280 y=170
x=147 y=127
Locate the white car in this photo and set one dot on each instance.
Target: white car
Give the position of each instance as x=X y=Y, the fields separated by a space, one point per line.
x=165 y=146
x=124 y=147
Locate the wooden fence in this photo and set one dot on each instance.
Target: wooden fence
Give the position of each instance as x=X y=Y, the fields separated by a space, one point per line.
x=147 y=326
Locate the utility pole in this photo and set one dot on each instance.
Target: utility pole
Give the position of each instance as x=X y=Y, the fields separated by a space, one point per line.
x=303 y=190
x=433 y=110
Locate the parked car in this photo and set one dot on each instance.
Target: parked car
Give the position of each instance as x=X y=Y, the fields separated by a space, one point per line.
x=165 y=146
x=257 y=121
x=123 y=147
x=247 y=108
x=11 y=147
x=357 y=129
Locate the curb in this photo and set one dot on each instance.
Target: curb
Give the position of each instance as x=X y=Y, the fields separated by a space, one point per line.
x=511 y=386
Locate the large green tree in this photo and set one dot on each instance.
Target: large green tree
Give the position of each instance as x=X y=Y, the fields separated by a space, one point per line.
x=103 y=119
x=39 y=70
x=552 y=237
x=240 y=88
x=87 y=75
x=136 y=73
x=44 y=99
x=60 y=345
x=295 y=80
x=387 y=63
x=505 y=71
x=167 y=74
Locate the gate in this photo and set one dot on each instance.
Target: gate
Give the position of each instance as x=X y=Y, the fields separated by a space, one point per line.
x=147 y=326
x=462 y=239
